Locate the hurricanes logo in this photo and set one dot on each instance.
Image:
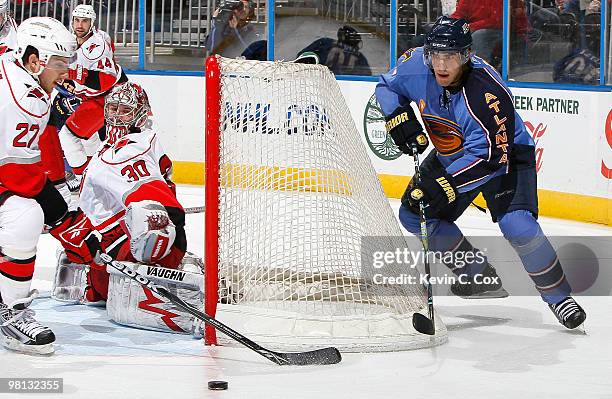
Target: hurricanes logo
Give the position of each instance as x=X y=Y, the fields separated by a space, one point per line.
x=375 y=132
x=92 y=47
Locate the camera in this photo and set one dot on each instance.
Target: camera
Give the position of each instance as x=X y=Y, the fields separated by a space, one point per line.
x=227 y=10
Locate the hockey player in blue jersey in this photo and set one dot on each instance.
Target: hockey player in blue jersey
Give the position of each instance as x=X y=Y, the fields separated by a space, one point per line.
x=481 y=145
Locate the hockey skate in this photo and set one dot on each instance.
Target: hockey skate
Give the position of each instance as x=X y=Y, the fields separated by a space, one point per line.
x=74 y=183
x=19 y=331
x=569 y=313
x=480 y=288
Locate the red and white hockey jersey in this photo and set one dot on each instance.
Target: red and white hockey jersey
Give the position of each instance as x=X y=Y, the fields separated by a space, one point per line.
x=8 y=36
x=95 y=68
x=24 y=113
x=132 y=169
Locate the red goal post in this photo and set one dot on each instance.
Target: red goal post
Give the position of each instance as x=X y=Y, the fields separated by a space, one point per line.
x=291 y=199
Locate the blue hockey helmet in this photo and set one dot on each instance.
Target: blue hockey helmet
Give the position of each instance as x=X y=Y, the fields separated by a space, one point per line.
x=448 y=35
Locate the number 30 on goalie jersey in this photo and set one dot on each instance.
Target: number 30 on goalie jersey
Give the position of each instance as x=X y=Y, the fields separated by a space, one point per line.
x=134 y=168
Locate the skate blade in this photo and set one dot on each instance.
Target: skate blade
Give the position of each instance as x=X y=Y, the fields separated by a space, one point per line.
x=499 y=293
x=15 y=345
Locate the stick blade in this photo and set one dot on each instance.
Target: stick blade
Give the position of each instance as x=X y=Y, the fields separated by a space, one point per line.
x=320 y=356
x=422 y=324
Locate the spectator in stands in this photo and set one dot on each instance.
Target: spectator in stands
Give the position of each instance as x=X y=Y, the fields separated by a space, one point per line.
x=258 y=51
x=230 y=22
x=486 y=19
x=581 y=65
x=342 y=56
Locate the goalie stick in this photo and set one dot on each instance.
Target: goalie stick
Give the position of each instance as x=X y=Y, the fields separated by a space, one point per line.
x=420 y=322
x=194 y=209
x=320 y=356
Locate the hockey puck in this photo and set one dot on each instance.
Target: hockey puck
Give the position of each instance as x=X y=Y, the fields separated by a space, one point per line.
x=217 y=385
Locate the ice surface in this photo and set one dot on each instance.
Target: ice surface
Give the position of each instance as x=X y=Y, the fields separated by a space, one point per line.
x=498 y=348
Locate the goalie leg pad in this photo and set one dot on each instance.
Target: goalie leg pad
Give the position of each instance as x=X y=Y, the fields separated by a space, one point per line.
x=133 y=305
x=70 y=281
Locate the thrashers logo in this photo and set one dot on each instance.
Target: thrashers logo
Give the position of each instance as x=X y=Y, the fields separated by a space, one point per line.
x=166 y=315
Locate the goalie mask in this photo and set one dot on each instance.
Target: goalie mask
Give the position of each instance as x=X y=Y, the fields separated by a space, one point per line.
x=126 y=109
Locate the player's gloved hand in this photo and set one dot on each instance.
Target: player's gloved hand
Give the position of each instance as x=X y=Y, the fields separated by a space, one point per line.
x=437 y=191
x=150 y=230
x=66 y=88
x=406 y=130
x=77 y=235
x=62 y=108
x=78 y=74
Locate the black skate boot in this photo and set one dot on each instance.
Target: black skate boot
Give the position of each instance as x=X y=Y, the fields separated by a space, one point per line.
x=487 y=284
x=569 y=313
x=19 y=331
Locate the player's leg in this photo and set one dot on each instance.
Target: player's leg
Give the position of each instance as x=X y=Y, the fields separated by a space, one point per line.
x=445 y=236
x=514 y=205
x=21 y=223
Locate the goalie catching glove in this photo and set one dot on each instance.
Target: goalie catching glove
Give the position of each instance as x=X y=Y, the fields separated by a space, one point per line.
x=405 y=130
x=150 y=230
x=438 y=191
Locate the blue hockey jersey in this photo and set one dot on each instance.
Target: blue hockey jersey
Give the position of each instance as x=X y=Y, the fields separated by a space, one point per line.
x=474 y=128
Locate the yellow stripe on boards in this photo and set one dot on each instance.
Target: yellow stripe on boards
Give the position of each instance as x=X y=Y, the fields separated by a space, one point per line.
x=583 y=208
x=272 y=178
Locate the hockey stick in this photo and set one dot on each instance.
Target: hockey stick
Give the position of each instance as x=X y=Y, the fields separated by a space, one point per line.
x=421 y=323
x=320 y=356
x=194 y=209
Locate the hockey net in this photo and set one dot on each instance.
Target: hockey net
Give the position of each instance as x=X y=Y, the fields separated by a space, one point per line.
x=290 y=195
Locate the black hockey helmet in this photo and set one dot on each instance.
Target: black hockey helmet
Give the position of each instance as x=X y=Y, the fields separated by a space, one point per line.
x=349 y=36
x=448 y=35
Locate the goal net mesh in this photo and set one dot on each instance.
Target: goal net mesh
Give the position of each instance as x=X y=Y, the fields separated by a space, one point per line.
x=301 y=212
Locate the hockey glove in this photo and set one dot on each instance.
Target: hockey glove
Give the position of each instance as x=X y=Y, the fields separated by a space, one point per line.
x=66 y=88
x=150 y=230
x=62 y=108
x=80 y=240
x=405 y=130
x=437 y=191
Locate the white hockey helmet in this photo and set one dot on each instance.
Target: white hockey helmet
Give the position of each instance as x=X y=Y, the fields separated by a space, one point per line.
x=126 y=106
x=47 y=35
x=4 y=9
x=84 y=11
